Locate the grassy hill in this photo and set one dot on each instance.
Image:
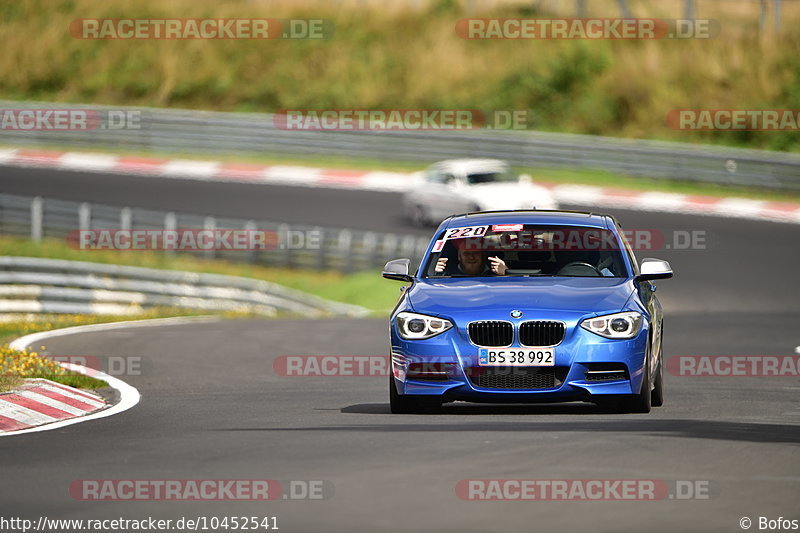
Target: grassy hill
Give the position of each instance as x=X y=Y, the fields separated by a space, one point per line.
x=407 y=55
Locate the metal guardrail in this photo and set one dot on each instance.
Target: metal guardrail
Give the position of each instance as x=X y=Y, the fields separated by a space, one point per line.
x=38 y=285
x=254 y=133
x=339 y=249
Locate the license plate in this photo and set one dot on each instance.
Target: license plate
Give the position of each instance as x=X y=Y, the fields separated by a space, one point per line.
x=517 y=357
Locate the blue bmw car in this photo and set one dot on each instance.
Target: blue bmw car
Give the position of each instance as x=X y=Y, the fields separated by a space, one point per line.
x=527 y=306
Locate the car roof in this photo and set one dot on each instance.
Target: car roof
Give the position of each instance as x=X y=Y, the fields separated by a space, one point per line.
x=463 y=166
x=531 y=216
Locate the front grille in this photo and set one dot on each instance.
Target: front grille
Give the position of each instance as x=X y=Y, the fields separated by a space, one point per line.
x=491 y=333
x=541 y=333
x=515 y=377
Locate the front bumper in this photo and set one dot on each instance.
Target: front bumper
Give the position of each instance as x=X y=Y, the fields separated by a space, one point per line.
x=579 y=352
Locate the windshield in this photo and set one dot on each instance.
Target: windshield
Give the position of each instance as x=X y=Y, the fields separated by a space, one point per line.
x=474 y=178
x=526 y=250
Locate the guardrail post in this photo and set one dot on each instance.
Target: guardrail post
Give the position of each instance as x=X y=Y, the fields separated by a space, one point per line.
x=422 y=247
x=170 y=221
x=345 y=246
x=170 y=224
x=688 y=9
x=125 y=219
x=37 y=219
x=409 y=247
x=624 y=11
x=85 y=216
x=210 y=224
x=389 y=247
x=284 y=245
x=369 y=246
x=251 y=254
x=321 y=259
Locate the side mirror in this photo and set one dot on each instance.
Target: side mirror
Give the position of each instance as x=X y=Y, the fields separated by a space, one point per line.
x=397 y=270
x=654 y=269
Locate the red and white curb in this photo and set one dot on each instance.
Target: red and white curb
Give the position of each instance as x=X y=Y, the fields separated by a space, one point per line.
x=40 y=401
x=44 y=411
x=390 y=181
x=206 y=170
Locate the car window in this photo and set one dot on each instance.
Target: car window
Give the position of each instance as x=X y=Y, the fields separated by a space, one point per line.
x=437 y=175
x=527 y=250
x=475 y=178
x=432 y=175
x=629 y=250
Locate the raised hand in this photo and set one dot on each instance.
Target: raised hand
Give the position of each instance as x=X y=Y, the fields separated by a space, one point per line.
x=498 y=266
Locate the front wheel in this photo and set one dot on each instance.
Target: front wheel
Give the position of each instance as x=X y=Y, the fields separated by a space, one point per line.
x=657 y=396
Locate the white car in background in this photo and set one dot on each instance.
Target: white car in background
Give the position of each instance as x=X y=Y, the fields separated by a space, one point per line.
x=466 y=185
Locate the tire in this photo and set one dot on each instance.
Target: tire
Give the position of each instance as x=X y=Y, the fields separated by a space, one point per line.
x=405 y=405
x=657 y=396
x=640 y=402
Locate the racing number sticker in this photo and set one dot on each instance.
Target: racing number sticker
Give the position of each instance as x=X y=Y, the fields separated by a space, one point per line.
x=467 y=231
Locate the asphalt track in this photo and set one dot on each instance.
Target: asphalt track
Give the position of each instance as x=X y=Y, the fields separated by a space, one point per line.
x=212 y=406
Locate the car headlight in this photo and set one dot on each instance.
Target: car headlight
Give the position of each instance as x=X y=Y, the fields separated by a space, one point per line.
x=617 y=326
x=413 y=326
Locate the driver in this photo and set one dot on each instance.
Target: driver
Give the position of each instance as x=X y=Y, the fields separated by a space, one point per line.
x=471 y=263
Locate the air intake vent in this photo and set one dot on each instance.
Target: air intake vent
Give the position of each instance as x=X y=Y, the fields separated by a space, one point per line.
x=518 y=378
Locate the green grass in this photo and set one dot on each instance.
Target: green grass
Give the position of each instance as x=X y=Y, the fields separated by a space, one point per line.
x=406 y=55
x=79 y=381
x=366 y=289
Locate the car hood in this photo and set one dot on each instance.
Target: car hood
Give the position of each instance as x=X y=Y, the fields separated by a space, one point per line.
x=495 y=297
x=516 y=195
